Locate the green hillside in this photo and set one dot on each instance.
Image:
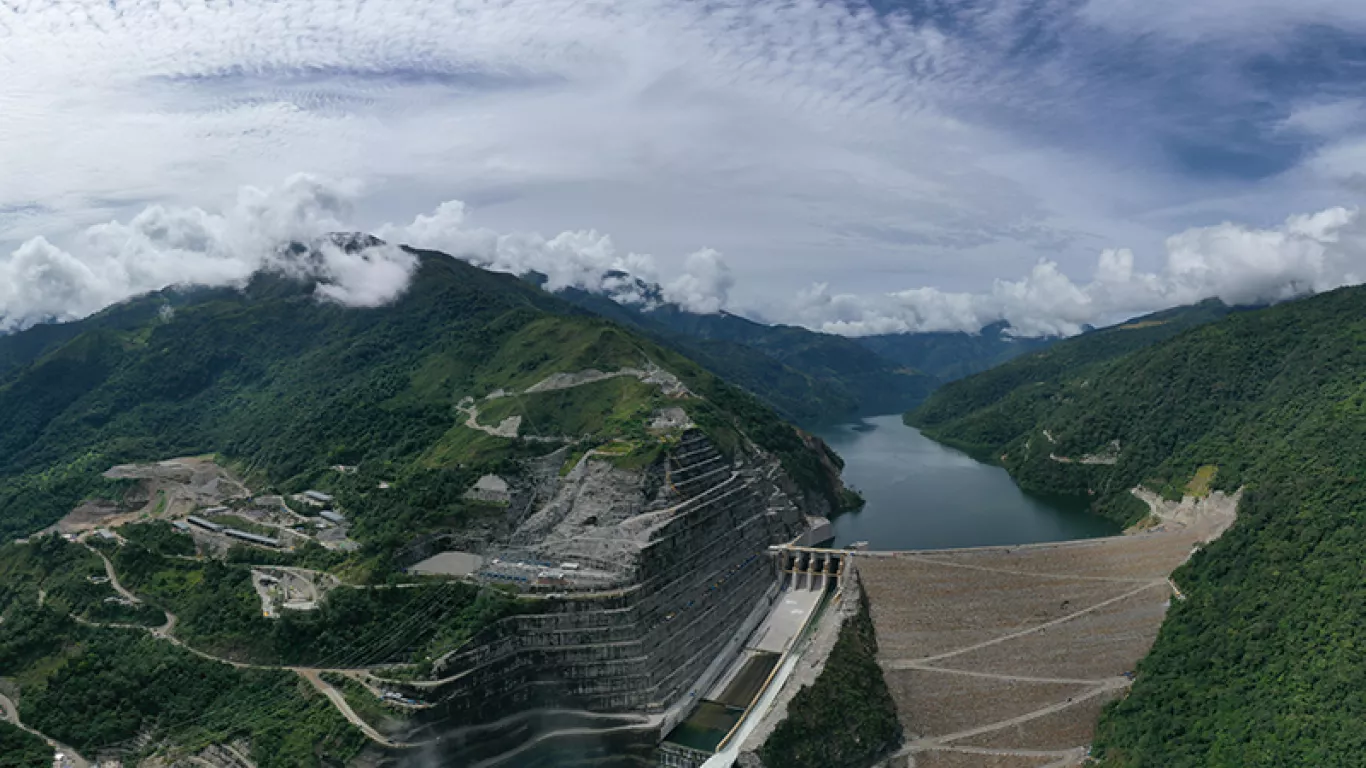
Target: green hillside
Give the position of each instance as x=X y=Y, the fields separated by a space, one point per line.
x=811 y=378
x=91 y=686
x=1261 y=665
x=983 y=413
x=950 y=356
x=413 y=399
x=284 y=386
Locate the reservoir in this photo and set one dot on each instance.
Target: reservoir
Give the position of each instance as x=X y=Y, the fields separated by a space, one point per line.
x=923 y=495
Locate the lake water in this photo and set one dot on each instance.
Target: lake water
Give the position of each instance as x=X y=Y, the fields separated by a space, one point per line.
x=923 y=495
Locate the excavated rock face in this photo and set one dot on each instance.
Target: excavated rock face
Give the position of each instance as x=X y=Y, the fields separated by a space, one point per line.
x=586 y=515
x=687 y=540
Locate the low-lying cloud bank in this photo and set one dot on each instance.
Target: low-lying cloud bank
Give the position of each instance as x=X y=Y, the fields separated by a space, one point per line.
x=582 y=259
x=162 y=246
x=1239 y=265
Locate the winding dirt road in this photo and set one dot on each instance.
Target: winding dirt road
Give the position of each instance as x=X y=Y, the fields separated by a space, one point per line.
x=314 y=677
x=9 y=712
x=166 y=632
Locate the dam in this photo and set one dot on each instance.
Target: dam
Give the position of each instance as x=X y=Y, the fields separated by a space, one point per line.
x=999 y=656
x=698 y=610
x=1012 y=652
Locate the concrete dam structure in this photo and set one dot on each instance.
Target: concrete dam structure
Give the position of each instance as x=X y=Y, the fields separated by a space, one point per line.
x=682 y=575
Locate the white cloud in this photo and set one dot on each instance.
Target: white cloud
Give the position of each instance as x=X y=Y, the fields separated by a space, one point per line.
x=704 y=287
x=575 y=258
x=809 y=141
x=1222 y=19
x=164 y=246
x=1327 y=118
x=787 y=136
x=1240 y=265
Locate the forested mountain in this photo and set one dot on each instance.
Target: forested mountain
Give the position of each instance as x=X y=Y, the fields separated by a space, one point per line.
x=809 y=377
x=285 y=385
x=1261 y=664
x=982 y=413
x=397 y=410
x=949 y=356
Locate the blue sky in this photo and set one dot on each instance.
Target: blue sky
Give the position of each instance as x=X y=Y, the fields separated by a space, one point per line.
x=853 y=167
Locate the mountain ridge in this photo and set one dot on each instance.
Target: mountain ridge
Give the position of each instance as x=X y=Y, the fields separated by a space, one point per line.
x=224 y=370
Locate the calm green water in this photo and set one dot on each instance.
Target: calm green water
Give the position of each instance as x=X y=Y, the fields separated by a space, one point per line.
x=922 y=495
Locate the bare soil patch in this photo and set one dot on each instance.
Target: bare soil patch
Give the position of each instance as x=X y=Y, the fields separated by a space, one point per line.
x=1140 y=557
x=944 y=759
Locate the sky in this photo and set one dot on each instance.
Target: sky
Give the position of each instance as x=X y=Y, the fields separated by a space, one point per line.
x=855 y=167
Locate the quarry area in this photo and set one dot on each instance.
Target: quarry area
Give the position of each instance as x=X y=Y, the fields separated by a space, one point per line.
x=208 y=502
x=1005 y=656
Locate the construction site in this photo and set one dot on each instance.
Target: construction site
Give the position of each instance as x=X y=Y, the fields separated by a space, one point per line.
x=669 y=611
x=683 y=650
x=658 y=581
x=208 y=502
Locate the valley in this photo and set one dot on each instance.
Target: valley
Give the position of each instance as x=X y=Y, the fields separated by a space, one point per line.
x=481 y=527
x=920 y=494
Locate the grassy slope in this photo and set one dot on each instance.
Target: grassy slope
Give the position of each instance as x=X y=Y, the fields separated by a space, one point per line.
x=1262 y=664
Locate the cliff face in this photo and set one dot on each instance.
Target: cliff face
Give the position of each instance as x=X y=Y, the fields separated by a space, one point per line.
x=679 y=551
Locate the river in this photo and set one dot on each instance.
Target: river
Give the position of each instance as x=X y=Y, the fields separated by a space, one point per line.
x=923 y=495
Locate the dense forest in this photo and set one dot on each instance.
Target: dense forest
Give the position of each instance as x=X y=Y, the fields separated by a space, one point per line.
x=984 y=412
x=101 y=689
x=1261 y=665
x=810 y=378
x=21 y=749
x=284 y=386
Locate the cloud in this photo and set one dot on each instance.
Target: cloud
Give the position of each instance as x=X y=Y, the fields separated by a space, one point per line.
x=163 y=246
x=1237 y=264
x=582 y=259
x=705 y=285
x=577 y=258
x=836 y=143
x=790 y=137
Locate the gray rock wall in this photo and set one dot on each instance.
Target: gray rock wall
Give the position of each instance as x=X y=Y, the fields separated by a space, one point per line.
x=635 y=652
